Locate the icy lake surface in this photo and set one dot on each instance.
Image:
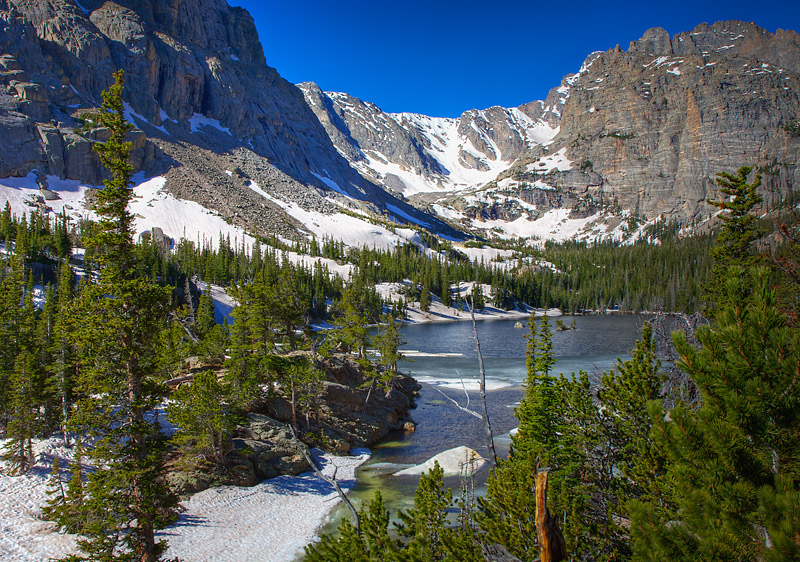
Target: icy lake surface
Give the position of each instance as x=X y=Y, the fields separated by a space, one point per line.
x=444 y=360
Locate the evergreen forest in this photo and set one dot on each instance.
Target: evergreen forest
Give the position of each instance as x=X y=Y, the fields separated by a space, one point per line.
x=696 y=460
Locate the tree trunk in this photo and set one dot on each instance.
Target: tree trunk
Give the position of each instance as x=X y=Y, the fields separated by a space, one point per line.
x=487 y=426
x=551 y=542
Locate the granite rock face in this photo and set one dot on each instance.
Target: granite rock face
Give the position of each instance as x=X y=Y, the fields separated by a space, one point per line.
x=645 y=131
x=347 y=415
x=642 y=131
x=409 y=153
x=350 y=414
x=196 y=83
x=652 y=126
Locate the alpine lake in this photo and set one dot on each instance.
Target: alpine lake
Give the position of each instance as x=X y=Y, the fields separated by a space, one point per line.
x=442 y=357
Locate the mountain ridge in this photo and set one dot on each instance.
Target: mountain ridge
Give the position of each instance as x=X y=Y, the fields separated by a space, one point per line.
x=632 y=137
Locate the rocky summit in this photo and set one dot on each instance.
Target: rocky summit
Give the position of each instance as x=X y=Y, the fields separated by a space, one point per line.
x=211 y=116
x=634 y=136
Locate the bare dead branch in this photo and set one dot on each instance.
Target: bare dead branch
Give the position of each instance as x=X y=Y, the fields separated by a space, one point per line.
x=459 y=406
x=487 y=426
x=309 y=458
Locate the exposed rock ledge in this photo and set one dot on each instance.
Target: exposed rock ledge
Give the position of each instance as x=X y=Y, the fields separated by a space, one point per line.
x=263 y=446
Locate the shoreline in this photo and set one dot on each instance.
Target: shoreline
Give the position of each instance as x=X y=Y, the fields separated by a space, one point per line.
x=272 y=521
x=439 y=313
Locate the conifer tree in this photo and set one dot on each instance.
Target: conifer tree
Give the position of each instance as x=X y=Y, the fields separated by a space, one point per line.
x=351 y=326
x=64 y=505
x=508 y=512
x=6 y=223
x=477 y=298
x=424 y=523
x=64 y=361
x=242 y=364
x=18 y=451
x=126 y=498
x=733 y=464
x=387 y=342
x=205 y=314
x=203 y=417
x=625 y=394
x=12 y=313
x=537 y=413
x=425 y=297
x=739 y=229
x=373 y=544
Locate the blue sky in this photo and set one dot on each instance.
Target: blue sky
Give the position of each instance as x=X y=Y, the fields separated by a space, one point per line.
x=441 y=58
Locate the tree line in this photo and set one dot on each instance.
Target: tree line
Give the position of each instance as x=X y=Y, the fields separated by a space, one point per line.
x=623 y=468
x=91 y=361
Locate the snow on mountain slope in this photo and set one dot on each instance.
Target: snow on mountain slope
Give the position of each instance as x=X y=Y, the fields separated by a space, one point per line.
x=153 y=206
x=350 y=229
x=409 y=153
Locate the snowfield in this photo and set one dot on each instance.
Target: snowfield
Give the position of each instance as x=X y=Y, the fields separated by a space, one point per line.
x=270 y=522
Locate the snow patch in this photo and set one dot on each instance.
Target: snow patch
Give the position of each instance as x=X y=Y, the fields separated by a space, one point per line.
x=330 y=183
x=197 y=120
x=453 y=461
x=132 y=117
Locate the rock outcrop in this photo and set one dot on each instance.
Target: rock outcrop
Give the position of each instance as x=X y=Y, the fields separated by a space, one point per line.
x=349 y=416
x=641 y=132
x=196 y=83
x=649 y=128
x=410 y=153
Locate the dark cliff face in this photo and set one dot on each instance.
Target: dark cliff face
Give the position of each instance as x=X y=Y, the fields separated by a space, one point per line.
x=197 y=86
x=182 y=59
x=656 y=124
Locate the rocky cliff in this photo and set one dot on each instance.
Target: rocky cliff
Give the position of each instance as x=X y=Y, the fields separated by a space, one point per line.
x=347 y=415
x=410 y=153
x=649 y=128
x=199 y=91
x=632 y=136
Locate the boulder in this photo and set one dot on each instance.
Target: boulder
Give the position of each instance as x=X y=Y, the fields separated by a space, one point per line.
x=453 y=461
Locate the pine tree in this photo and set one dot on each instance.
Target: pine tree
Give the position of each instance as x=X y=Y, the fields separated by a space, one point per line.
x=63 y=367
x=733 y=464
x=387 y=342
x=477 y=299
x=424 y=523
x=205 y=314
x=425 y=297
x=126 y=498
x=739 y=229
x=203 y=418
x=12 y=314
x=18 y=451
x=625 y=394
x=537 y=413
x=374 y=544
x=507 y=513
x=351 y=326
x=242 y=364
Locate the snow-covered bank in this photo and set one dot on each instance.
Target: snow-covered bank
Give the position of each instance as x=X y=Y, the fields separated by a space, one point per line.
x=441 y=313
x=270 y=522
x=24 y=535
x=438 y=312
